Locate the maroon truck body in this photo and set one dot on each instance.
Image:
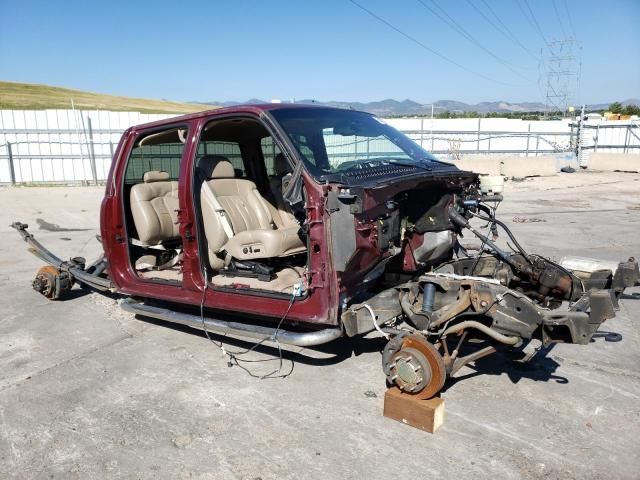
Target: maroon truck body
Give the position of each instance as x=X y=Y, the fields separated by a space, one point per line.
x=319 y=307
x=376 y=246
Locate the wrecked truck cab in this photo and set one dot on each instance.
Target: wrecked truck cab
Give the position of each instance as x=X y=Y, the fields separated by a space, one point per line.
x=302 y=224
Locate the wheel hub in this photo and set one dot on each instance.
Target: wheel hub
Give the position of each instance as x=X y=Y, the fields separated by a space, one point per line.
x=45 y=281
x=410 y=370
x=52 y=283
x=414 y=366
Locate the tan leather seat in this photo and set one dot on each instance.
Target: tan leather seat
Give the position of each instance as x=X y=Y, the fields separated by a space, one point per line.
x=153 y=207
x=237 y=220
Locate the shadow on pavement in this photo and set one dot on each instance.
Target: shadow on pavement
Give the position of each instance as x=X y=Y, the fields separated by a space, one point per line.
x=540 y=368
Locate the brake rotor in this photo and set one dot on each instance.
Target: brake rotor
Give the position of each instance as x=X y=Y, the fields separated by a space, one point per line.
x=417 y=367
x=45 y=281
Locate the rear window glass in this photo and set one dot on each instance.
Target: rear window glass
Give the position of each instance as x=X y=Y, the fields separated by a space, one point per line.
x=163 y=152
x=231 y=150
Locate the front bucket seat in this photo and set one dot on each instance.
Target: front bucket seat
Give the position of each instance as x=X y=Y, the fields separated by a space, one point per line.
x=237 y=219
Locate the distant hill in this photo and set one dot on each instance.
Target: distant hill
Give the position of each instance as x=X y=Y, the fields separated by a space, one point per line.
x=396 y=108
x=604 y=106
x=391 y=107
x=29 y=96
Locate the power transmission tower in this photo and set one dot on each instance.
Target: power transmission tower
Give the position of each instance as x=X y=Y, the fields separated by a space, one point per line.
x=563 y=74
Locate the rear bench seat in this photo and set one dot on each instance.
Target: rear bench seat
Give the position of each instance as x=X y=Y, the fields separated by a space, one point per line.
x=153 y=206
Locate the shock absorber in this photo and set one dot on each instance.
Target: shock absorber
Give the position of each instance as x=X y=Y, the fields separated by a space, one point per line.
x=428 y=297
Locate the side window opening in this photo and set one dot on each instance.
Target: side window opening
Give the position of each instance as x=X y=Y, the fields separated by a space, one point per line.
x=150 y=195
x=155 y=155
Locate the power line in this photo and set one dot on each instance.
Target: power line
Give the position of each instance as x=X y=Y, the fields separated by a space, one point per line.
x=499 y=20
x=425 y=47
x=566 y=9
x=506 y=32
x=535 y=21
x=555 y=8
x=458 y=28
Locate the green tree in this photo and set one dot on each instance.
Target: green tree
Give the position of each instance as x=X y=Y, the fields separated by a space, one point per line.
x=631 y=110
x=616 y=107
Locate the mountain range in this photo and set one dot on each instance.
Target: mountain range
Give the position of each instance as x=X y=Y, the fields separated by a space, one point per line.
x=391 y=107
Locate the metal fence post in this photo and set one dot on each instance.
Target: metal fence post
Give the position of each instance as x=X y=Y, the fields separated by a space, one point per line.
x=626 y=138
x=595 y=140
x=582 y=162
x=12 y=171
x=528 y=137
x=478 y=145
x=92 y=153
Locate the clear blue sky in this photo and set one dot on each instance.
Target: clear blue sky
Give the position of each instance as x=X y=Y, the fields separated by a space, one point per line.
x=326 y=50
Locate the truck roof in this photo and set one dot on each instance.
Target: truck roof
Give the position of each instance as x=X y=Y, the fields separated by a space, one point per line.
x=256 y=109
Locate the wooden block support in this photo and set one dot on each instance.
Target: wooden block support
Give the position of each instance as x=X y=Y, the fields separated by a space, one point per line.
x=427 y=415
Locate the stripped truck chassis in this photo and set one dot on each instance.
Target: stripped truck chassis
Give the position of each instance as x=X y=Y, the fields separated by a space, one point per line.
x=378 y=244
x=427 y=321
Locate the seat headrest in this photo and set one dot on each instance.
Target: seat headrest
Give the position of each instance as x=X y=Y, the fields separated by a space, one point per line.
x=280 y=165
x=215 y=166
x=156 y=176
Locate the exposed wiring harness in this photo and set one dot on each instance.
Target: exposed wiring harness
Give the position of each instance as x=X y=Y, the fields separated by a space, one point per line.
x=519 y=249
x=233 y=356
x=507 y=231
x=373 y=320
x=492 y=225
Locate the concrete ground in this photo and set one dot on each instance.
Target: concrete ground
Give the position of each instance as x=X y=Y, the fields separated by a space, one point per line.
x=88 y=391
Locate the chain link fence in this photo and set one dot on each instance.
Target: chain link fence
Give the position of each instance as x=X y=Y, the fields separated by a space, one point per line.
x=77 y=147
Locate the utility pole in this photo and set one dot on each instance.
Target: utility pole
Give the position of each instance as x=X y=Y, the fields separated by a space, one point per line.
x=579 y=153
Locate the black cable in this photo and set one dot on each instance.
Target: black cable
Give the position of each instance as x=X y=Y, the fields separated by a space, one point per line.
x=513 y=249
x=506 y=32
x=491 y=224
x=477 y=260
x=508 y=232
x=566 y=9
x=451 y=22
x=526 y=255
x=535 y=23
x=555 y=8
x=233 y=356
x=427 y=48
